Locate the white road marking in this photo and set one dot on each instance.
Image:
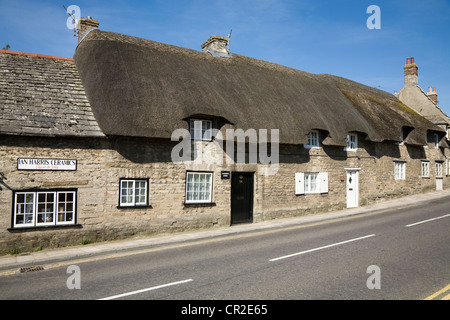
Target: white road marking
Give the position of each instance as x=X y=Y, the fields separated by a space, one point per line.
x=320 y=248
x=145 y=290
x=413 y=224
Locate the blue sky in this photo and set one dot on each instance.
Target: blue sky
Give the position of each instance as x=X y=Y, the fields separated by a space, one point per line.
x=322 y=36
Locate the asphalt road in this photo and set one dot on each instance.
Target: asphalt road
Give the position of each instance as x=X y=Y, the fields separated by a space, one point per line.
x=398 y=254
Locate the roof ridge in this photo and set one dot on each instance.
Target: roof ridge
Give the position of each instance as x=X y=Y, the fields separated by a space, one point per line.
x=35 y=55
x=434 y=103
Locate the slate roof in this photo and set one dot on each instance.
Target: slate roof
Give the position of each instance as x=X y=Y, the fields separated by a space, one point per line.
x=139 y=87
x=43 y=95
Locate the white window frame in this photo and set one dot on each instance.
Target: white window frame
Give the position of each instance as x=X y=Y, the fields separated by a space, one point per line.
x=439 y=170
x=399 y=170
x=352 y=142
x=63 y=207
x=49 y=212
x=313 y=139
x=129 y=194
x=37 y=207
x=311 y=182
x=200 y=130
x=25 y=208
x=436 y=141
x=198 y=191
x=303 y=182
x=425 y=166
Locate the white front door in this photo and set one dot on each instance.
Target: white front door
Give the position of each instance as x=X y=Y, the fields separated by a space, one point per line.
x=439 y=184
x=352 y=188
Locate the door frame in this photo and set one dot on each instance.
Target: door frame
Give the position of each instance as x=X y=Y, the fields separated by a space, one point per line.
x=251 y=200
x=355 y=202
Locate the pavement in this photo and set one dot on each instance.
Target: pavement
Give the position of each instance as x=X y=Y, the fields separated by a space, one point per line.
x=13 y=263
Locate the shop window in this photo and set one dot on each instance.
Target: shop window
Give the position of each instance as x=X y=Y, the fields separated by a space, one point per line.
x=44 y=208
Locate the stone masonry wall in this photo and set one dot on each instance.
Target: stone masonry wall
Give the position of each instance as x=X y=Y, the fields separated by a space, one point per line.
x=101 y=163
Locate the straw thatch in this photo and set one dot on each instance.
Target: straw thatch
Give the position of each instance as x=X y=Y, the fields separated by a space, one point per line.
x=138 y=87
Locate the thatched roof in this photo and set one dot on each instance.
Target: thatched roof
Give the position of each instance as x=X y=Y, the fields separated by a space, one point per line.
x=138 y=87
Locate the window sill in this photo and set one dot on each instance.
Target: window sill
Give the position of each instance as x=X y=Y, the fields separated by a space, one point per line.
x=35 y=228
x=199 y=204
x=308 y=193
x=134 y=207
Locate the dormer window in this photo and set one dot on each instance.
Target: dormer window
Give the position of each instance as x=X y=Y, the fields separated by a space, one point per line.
x=313 y=139
x=436 y=141
x=402 y=136
x=352 y=142
x=201 y=129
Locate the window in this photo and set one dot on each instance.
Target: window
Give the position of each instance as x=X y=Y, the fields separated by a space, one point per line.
x=44 y=208
x=438 y=169
x=402 y=136
x=311 y=182
x=201 y=129
x=399 y=170
x=352 y=142
x=133 y=192
x=436 y=141
x=313 y=139
x=425 y=169
x=198 y=187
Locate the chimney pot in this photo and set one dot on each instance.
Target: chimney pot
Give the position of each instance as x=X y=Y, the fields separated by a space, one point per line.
x=411 y=73
x=432 y=94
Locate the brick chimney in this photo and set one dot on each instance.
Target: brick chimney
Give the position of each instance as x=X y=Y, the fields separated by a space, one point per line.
x=411 y=72
x=432 y=94
x=216 y=46
x=86 y=25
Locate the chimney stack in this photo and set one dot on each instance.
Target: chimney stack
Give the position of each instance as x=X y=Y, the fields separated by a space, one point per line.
x=411 y=72
x=86 y=25
x=216 y=46
x=432 y=94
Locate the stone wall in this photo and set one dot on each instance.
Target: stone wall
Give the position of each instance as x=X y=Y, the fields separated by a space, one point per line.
x=101 y=163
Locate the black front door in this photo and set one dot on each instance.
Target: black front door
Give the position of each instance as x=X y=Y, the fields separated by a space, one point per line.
x=241 y=197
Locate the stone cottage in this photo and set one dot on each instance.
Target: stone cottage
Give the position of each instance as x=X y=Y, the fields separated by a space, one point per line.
x=425 y=103
x=107 y=145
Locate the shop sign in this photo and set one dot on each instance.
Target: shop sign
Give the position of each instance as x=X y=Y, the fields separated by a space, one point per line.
x=46 y=164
